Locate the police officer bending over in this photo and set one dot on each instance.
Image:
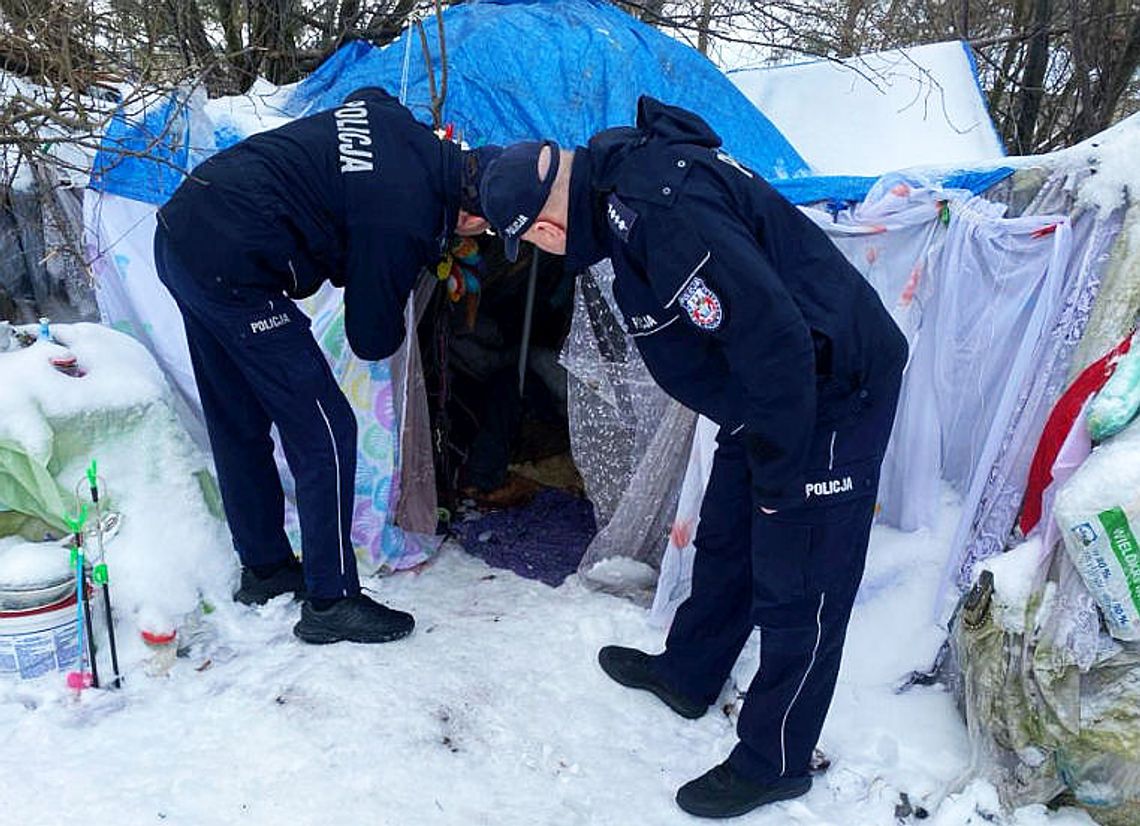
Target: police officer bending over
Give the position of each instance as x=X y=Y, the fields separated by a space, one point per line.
x=363 y=196
x=744 y=311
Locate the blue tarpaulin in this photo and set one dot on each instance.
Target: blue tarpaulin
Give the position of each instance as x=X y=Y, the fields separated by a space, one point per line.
x=516 y=70
x=561 y=70
x=145 y=153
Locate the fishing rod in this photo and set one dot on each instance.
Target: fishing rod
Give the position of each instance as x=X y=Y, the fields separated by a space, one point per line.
x=81 y=679
x=99 y=572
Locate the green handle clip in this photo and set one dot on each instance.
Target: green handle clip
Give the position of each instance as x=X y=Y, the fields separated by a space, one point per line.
x=99 y=574
x=76 y=525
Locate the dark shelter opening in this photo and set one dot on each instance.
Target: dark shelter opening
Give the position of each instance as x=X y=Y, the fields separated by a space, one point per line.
x=508 y=488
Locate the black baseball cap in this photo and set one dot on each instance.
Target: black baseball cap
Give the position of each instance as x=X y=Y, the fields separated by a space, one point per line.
x=513 y=195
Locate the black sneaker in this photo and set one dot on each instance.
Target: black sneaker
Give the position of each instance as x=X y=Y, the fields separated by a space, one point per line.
x=724 y=792
x=634 y=669
x=257 y=590
x=352 y=619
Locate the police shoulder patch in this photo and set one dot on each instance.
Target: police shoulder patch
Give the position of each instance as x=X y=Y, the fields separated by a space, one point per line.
x=620 y=217
x=701 y=304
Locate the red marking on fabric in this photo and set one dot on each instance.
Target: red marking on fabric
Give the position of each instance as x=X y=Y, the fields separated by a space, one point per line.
x=681 y=533
x=911 y=286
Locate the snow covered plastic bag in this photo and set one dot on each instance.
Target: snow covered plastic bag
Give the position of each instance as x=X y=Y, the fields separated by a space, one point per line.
x=1098 y=512
x=1052 y=702
x=1119 y=400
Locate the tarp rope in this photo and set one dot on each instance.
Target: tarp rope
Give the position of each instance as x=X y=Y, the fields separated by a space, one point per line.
x=407 y=65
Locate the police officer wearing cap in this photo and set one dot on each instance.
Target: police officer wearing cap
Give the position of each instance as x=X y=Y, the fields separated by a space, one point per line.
x=744 y=311
x=361 y=195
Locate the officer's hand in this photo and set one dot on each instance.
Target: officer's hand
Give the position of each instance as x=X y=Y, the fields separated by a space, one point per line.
x=766 y=510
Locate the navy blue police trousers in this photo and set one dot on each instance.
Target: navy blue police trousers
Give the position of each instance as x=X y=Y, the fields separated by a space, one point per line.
x=257 y=364
x=794 y=574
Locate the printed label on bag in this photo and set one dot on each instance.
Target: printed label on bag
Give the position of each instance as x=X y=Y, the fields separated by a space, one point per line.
x=1124 y=547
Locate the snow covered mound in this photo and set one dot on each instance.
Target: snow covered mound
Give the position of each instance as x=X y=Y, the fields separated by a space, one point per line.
x=169 y=551
x=31 y=565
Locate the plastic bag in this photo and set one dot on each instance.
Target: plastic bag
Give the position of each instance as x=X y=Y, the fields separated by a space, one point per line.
x=1046 y=723
x=1097 y=511
x=1119 y=400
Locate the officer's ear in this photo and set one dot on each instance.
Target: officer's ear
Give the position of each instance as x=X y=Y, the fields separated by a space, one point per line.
x=547 y=235
x=471 y=224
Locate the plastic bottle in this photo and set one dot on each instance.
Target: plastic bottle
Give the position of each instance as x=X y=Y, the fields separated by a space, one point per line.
x=45 y=329
x=163 y=648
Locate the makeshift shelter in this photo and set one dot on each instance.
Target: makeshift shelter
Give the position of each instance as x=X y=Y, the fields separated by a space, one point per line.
x=626 y=59
x=1007 y=275
x=605 y=61
x=899 y=232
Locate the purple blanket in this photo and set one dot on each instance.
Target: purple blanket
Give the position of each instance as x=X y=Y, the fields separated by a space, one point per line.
x=543 y=540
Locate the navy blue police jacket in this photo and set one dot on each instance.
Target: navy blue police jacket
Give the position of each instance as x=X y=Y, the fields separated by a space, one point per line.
x=362 y=195
x=741 y=307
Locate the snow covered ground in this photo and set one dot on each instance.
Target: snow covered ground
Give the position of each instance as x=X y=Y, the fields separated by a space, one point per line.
x=493 y=712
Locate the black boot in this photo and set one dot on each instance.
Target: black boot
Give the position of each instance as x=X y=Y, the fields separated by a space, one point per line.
x=634 y=669
x=724 y=792
x=286 y=578
x=352 y=619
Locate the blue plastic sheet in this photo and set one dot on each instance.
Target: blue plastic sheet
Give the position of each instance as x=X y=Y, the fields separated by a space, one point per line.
x=144 y=154
x=560 y=70
x=852 y=189
x=516 y=71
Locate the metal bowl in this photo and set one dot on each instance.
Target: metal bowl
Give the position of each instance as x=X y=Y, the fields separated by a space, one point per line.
x=25 y=599
x=34 y=574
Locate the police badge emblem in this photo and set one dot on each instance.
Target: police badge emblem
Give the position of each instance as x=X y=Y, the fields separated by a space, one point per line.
x=702 y=304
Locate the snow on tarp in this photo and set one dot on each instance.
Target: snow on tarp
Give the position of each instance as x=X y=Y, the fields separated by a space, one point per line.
x=72 y=156
x=559 y=70
x=879 y=112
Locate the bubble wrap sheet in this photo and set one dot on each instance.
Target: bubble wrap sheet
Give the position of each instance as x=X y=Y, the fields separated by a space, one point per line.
x=629 y=440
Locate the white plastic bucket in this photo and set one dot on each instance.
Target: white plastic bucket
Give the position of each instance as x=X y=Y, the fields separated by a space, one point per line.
x=39 y=641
